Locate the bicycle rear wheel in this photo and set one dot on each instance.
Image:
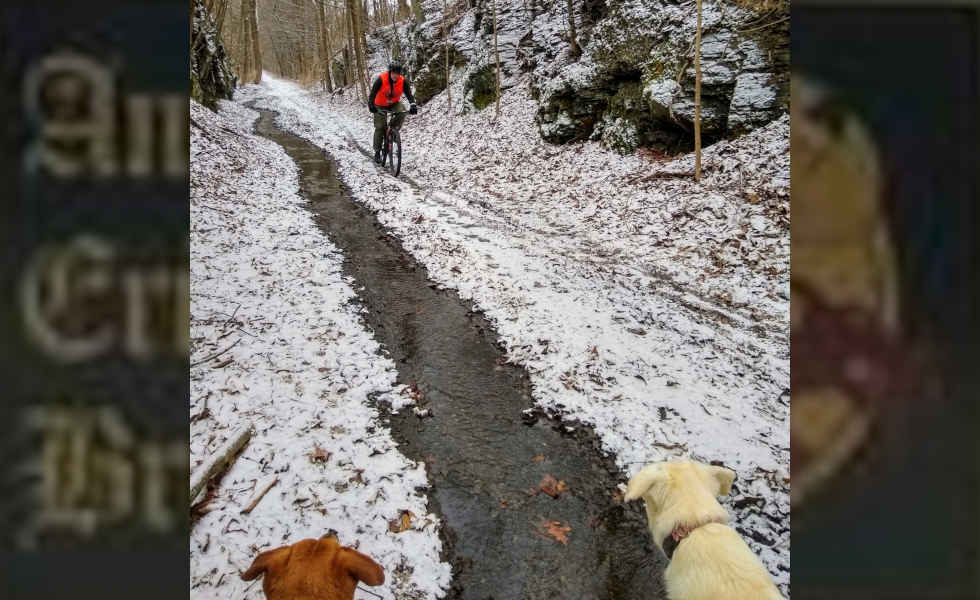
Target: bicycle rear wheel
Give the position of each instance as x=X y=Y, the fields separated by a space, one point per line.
x=394 y=147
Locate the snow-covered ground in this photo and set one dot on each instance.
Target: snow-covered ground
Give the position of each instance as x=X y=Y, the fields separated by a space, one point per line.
x=299 y=367
x=653 y=308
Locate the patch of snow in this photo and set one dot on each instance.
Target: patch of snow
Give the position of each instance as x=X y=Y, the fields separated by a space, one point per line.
x=300 y=368
x=652 y=309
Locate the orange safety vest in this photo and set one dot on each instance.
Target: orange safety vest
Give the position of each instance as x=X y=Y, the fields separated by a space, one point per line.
x=386 y=95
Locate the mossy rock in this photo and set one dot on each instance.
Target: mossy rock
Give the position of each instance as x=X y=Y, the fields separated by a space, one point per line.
x=483 y=84
x=627 y=119
x=431 y=78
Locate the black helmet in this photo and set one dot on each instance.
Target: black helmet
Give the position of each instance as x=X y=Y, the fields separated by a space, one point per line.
x=395 y=67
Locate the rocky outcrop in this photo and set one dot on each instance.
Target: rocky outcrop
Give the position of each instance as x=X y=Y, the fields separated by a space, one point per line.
x=212 y=77
x=635 y=83
x=631 y=85
x=430 y=75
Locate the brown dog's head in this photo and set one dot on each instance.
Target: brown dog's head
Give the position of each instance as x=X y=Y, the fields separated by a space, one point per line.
x=315 y=570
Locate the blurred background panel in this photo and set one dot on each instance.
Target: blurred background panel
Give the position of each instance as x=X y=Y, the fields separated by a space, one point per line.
x=94 y=299
x=885 y=384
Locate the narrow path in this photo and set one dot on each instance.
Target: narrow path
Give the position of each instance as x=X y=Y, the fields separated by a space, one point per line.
x=482 y=452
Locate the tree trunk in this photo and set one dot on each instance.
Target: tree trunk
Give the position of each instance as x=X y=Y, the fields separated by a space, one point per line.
x=321 y=19
x=496 y=53
x=572 y=36
x=349 y=65
x=255 y=41
x=419 y=14
x=445 y=41
x=356 y=38
x=221 y=9
x=252 y=69
x=697 y=98
x=361 y=48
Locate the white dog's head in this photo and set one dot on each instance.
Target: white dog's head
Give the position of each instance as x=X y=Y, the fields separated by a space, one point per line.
x=681 y=493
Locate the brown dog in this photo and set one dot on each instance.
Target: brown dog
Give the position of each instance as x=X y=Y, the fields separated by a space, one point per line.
x=314 y=570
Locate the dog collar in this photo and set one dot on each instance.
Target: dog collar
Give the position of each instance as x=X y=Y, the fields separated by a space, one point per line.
x=675 y=537
x=671 y=542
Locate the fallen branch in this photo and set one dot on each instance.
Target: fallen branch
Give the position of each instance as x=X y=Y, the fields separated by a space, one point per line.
x=221 y=459
x=662 y=175
x=216 y=354
x=261 y=495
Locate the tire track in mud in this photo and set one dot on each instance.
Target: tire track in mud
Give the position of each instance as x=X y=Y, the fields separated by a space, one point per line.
x=729 y=322
x=697 y=305
x=483 y=445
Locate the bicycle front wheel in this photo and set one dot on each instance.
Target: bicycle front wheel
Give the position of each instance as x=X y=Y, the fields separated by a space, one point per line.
x=384 y=149
x=395 y=153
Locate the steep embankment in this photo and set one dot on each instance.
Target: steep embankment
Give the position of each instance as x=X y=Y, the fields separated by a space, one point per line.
x=632 y=82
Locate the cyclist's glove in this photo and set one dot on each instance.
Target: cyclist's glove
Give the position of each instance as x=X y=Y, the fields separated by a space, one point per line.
x=413 y=109
x=372 y=108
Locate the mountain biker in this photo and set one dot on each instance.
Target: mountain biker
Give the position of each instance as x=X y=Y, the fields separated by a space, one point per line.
x=386 y=93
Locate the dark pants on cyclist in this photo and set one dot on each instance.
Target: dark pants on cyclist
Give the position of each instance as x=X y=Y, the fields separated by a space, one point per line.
x=379 y=123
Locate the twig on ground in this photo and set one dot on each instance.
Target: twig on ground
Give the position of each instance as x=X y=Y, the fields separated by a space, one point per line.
x=369 y=592
x=216 y=354
x=259 y=497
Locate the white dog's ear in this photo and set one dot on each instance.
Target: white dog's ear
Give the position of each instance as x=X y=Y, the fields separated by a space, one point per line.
x=648 y=477
x=724 y=477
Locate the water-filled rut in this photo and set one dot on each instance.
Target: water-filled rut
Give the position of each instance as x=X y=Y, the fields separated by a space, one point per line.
x=483 y=455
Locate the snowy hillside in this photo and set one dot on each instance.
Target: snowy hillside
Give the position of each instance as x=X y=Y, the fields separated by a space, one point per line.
x=649 y=307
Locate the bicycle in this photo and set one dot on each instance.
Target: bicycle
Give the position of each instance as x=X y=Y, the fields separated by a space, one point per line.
x=391 y=147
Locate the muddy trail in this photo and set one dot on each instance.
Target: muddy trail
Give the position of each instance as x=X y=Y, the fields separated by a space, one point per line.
x=483 y=447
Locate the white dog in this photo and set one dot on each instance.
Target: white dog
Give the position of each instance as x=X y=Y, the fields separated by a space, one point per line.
x=708 y=559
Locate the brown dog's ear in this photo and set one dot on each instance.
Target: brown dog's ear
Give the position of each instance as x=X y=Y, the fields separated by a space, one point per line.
x=361 y=567
x=270 y=560
x=725 y=477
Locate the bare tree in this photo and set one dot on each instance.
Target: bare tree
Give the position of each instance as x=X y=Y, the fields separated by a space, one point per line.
x=357 y=40
x=445 y=41
x=252 y=64
x=697 y=98
x=572 y=35
x=321 y=18
x=496 y=53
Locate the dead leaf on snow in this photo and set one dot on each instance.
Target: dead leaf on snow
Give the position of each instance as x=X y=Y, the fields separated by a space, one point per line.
x=402 y=523
x=319 y=454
